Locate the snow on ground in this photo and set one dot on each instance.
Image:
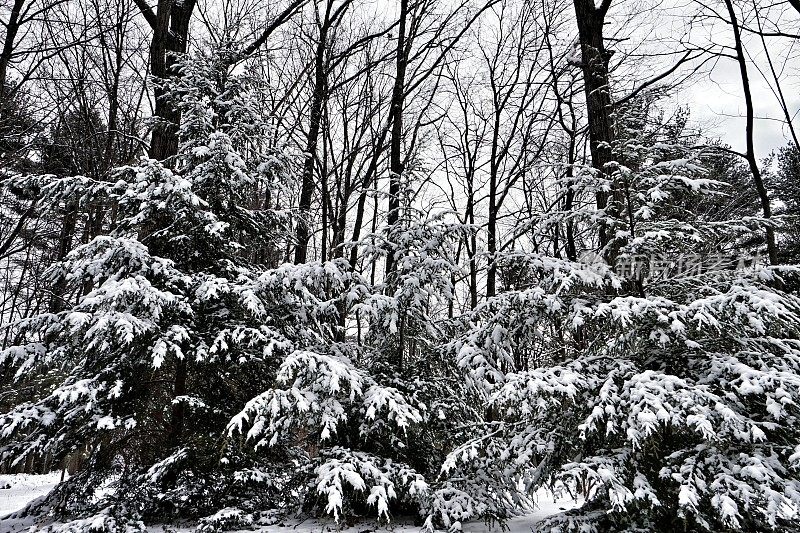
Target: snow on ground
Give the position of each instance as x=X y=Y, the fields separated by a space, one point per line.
x=16 y=490
x=547 y=506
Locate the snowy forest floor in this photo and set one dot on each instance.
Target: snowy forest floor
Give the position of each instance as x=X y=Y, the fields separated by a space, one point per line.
x=18 y=489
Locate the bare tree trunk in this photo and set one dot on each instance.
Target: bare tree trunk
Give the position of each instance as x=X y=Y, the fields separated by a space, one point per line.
x=113 y=89
x=12 y=28
x=178 y=414
x=594 y=63
x=362 y=198
x=472 y=248
x=170 y=36
x=312 y=139
x=491 y=229
x=395 y=150
x=68 y=223
x=571 y=250
x=8 y=241
x=763 y=196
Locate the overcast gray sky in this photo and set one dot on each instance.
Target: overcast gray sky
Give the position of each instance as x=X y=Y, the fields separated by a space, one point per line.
x=717 y=101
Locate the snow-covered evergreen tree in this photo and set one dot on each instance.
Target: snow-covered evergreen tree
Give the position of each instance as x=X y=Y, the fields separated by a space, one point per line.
x=666 y=386
x=203 y=381
x=196 y=377
x=358 y=415
x=166 y=339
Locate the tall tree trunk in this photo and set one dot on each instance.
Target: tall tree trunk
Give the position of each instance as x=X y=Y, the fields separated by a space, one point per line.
x=170 y=36
x=113 y=93
x=571 y=250
x=395 y=149
x=12 y=28
x=67 y=233
x=178 y=415
x=594 y=63
x=491 y=240
x=312 y=140
x=491 y=237
x=763 y=196
x=365 y=184
x=472 y=247
x=341 y=221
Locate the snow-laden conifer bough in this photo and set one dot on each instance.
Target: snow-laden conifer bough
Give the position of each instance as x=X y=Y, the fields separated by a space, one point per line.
x=201 y=386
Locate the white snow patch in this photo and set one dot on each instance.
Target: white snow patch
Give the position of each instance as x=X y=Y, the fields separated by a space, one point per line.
x=16 y=490
x=24 y=488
